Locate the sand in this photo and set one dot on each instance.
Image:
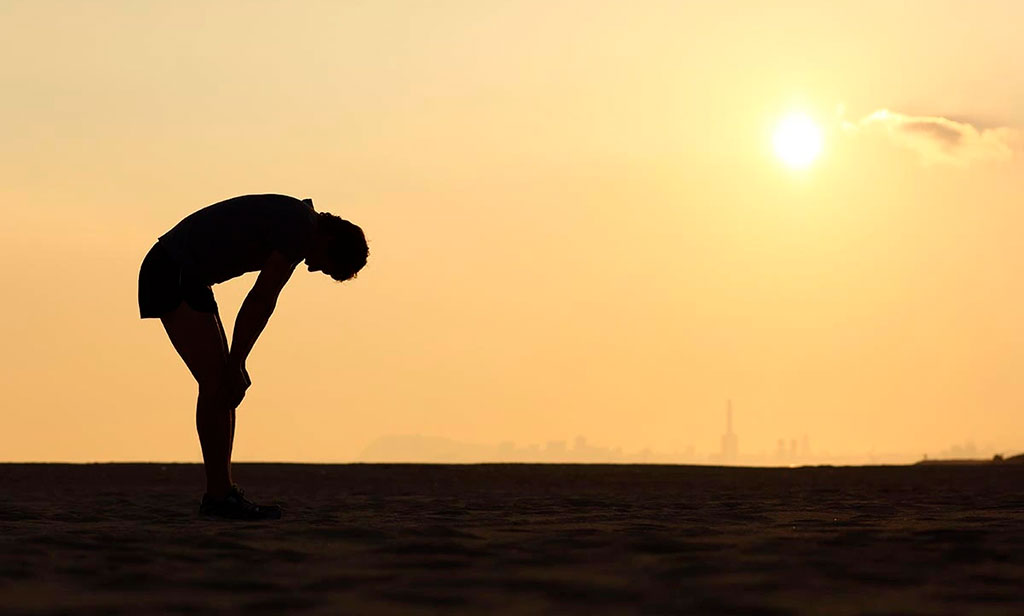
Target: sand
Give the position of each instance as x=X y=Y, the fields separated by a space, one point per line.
x=516 y=539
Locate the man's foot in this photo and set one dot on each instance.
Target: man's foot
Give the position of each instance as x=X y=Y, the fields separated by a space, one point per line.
x=235 y=506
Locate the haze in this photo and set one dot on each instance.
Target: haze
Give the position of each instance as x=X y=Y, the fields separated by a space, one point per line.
x=577 y=224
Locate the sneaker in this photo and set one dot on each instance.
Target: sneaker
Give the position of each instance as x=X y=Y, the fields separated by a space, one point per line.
x=236 y=507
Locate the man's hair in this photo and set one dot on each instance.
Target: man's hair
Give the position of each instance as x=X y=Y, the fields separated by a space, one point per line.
x=346 y=246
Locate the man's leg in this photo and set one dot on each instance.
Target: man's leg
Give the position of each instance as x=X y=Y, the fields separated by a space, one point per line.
x=227 y=350
x=199 y=338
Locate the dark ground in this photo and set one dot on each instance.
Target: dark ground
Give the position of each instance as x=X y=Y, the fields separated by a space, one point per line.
x=511 y=539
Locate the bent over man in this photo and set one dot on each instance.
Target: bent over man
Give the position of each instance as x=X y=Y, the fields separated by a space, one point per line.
x=270 y=234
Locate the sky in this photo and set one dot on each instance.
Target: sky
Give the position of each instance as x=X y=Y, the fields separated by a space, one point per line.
x=578 y=226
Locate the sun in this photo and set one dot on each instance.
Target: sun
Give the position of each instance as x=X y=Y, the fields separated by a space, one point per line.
x=797 y=140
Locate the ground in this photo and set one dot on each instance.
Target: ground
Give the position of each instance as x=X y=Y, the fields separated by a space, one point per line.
x=516 y=539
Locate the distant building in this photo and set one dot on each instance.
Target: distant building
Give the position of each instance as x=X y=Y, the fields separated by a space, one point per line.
x=730 y=444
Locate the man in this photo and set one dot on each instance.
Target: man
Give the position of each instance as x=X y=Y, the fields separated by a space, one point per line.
x=270 y=234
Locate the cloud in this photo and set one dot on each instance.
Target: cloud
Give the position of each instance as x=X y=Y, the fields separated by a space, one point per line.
x=941 y=140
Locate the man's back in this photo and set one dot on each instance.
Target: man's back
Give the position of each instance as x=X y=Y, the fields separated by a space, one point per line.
x=232 y=237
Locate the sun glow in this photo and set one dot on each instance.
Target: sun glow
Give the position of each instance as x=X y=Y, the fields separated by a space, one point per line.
x=797 y=140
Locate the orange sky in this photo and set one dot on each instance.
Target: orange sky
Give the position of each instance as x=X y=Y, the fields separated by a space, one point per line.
x=576 y=223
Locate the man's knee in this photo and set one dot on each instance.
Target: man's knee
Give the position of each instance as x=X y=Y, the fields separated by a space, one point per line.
x=211 y=393
x=211 y=376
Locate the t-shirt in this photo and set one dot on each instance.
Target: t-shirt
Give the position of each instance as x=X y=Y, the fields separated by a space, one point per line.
x=230 y=238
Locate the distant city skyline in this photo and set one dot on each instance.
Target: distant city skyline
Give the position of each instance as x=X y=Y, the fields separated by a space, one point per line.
x=439 y=449
x=730 y=442
x=789 y=451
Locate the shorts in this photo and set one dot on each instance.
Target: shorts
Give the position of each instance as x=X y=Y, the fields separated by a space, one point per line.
x=164 y=284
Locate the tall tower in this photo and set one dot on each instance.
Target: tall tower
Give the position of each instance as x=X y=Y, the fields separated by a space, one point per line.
x=730 y=446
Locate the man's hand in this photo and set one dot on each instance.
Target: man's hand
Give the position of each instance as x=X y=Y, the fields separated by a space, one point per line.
x=236 y=381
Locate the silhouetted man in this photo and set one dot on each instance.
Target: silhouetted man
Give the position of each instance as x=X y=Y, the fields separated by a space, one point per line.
x=270 y=234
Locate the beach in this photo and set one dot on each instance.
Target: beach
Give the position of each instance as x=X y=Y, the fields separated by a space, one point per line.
x=515 y=539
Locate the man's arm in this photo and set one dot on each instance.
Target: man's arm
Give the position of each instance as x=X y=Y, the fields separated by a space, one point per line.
x=258 y=305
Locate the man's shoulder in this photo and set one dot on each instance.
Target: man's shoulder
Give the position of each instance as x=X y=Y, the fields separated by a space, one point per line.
x=264 y=199
x=273 y=208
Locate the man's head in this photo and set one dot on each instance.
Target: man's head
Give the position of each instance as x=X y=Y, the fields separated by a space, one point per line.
x=339 y=248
